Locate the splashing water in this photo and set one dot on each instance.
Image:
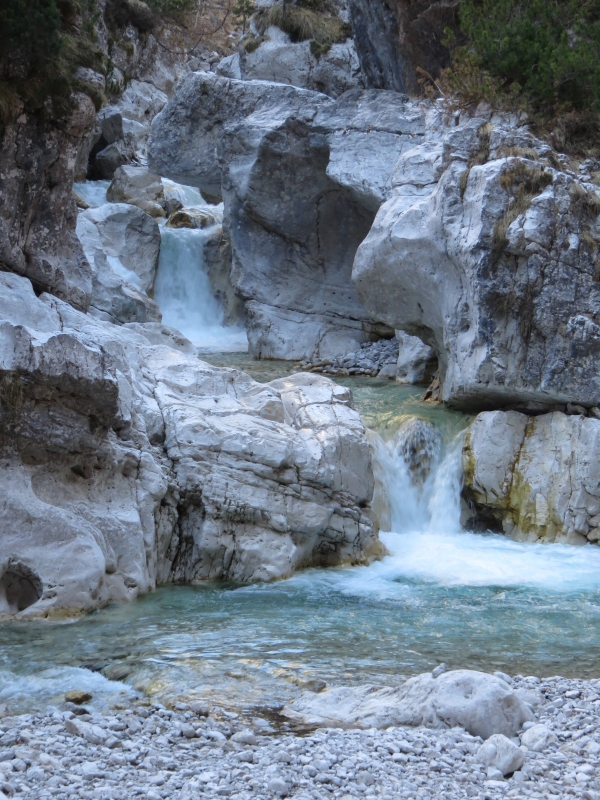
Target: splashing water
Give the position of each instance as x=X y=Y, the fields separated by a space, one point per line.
x=183 y=289
x=428 y=543
x=93 y=192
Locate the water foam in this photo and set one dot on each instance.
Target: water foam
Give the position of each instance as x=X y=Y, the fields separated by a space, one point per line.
x=428 y=544
x=36 y=691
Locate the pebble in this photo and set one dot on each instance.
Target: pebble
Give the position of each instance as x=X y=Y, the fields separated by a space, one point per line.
x=370 y=360
x=49 y=757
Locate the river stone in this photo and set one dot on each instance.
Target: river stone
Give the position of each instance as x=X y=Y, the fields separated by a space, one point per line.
x=77 y=696
x=139 y=187
x=538 y=738
x=417 y=361
x=519 y=470
x=499 y=752
x=480 y=703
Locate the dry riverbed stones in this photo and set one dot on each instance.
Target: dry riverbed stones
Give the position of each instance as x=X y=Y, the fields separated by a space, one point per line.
x=152 y=752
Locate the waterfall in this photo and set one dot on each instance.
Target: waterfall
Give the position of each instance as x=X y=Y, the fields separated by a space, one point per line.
x=183 y=288
x=422 y=481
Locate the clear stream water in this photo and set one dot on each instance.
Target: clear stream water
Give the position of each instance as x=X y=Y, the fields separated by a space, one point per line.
x=443 y=594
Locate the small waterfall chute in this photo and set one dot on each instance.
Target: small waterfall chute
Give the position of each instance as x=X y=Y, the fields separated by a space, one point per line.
x=183 y=289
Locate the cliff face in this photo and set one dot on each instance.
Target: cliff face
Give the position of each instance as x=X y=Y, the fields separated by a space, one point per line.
x=394 y=38
x=37 y=210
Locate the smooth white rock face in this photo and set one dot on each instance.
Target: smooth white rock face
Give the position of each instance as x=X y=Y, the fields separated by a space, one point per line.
x=502 y=754
x=417 y=361
x=130 y=462
x=281 y=61
x=539 y=477
x=302 y=177
x=122 y=245
x=481 y=704
x=509 y=298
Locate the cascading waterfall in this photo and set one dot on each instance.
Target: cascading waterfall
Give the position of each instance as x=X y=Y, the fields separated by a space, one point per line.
x=182 y=288
x=428 y=543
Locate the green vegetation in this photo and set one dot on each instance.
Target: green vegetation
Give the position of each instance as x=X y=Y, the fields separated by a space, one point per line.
x=549 y=49
x=542 y=56
x=42 y=42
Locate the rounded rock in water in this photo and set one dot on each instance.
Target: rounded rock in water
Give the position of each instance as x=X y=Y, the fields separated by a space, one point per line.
x=418 y=443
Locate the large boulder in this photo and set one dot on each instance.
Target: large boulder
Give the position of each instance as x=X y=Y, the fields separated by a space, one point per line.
x=487 y=252
x=139 y=187
x=535 y=478
x=481 y=704
x=114 y=296
x=127 y=462
x=292 y=251
x=131 y=240
x=38 y=160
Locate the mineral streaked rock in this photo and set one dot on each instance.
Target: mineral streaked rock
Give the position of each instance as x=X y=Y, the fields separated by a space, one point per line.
x=536 y=477
x=487 y=253
x=130 y=462
x=481 y=704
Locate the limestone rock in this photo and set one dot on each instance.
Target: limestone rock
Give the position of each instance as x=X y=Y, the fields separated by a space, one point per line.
x=37 y=209
x=279 y=60
x=108 y=160
x=417 y=362
x=499 y=752
x=139 y=187
x=487 y=254
x=538 y=738
x=482 y=704
x=114 y=295
x=130 y=462
x=232 y=137
x=130 y=236
x=536 y=477
x=396 y=37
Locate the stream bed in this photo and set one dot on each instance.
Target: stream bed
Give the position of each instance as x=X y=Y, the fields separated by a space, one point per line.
x=442 y=595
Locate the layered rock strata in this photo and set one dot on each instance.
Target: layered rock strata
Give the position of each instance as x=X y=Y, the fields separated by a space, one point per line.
x=130 y=462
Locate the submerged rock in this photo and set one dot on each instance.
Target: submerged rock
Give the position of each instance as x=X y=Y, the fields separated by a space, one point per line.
x=481 y=704
x=535 y=477
x=418 y=443
x=191 y=218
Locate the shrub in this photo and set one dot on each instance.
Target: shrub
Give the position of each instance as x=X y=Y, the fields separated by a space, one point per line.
x=303 y=24
x=39 y=52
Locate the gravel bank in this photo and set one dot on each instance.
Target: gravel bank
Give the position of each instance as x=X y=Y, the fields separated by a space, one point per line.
x=152 y=752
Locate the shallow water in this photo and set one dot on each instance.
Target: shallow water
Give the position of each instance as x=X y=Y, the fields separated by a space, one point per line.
x=443 y=594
